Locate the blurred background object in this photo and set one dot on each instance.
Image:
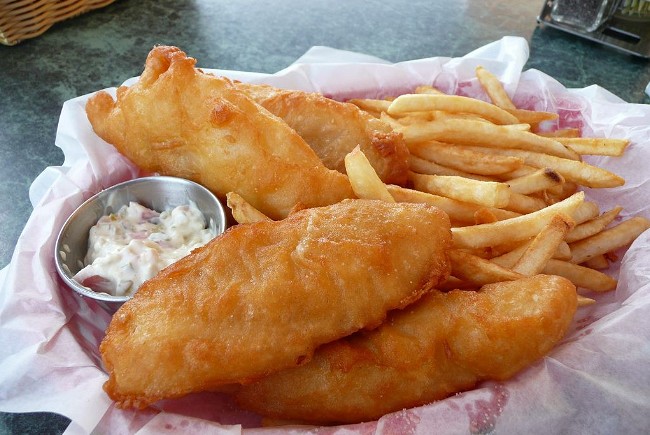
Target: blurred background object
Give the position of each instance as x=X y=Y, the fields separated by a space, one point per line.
x=634 y=10
x=620 y=24
x=588 y=15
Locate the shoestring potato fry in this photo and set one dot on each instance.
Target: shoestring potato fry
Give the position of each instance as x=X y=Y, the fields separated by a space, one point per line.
x=477 y=159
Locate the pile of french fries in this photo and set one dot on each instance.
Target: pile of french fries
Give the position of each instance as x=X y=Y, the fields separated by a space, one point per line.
x=511 y=191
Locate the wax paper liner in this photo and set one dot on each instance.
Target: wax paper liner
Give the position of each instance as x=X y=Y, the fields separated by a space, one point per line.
x=597 y=380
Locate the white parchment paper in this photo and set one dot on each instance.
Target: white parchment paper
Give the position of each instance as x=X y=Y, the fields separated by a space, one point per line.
x=596 y=381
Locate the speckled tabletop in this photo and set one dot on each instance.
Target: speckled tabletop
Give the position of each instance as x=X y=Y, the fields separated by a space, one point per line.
x=106 y=46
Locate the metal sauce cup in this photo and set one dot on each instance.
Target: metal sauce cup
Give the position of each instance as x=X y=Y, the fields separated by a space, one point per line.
x=157 y=193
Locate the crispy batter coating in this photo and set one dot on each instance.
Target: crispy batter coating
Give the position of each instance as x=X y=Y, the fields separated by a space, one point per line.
x=333 y=129
x=180 y=121
x=262 y=296
x=443 y=344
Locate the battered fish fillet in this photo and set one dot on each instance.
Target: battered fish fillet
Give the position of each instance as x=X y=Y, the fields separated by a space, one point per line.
x=334 y=128
x=262 y=296
x=443 y=344
x=177 y=120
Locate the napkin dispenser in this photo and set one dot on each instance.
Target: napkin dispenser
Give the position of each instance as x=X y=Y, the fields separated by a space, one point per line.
x=621 y=24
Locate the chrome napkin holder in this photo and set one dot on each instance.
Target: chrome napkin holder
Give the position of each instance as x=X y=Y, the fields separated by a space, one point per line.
x=629 y=36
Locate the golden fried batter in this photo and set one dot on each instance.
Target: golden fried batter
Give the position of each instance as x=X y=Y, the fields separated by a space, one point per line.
x=334 y=128
x=262 y=296
x=443 y=344
x=179 y=121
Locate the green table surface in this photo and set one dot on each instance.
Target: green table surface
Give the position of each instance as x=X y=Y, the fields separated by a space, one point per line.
x=102 y=48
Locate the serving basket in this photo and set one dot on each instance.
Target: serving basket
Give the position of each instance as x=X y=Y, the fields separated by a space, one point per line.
x=24 y=19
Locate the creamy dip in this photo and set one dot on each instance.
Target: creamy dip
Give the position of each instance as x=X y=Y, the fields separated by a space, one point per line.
x=128 y=247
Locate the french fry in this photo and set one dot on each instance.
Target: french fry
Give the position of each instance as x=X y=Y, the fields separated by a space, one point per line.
x=584 y=301
x=484 y=216
x=519 y=228
x=465 y=160
x=478 y=271
x=371 y=105
x=593 y=226
x=524 y=204
x=393 y=122
x=516 y=250
x=363 y=178
x=544 y=245
x=563 y=251
x=532 y=117
x=510 y=258
x=507 y=247
x=242 y=211
x=576 y=171
x=450 y=103
x=595 y=146
x=599 y=262
x=485 y=134
x=608 y=240
x=499 y=97
x=586 y=211
x=494 y=88
x=427 y=89
x=458 y=211
x=412 y=118
x=485 y=193
x=565 y=132
x=581 y=276
x=441 y=115
x=424 y=166
x=517 y=173
x=507 y=257
x=541 y=179
x=522 y=127
x=558 y=193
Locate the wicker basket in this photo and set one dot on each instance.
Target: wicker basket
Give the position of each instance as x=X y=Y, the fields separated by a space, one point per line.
x=24 y=19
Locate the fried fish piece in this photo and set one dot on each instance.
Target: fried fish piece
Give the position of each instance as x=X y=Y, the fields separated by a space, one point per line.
x=177 y=120
x=333 y=129
x=443 y=344
x=262 y=296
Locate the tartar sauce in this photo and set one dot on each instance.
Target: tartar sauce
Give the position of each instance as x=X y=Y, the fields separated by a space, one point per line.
x=128 y=247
